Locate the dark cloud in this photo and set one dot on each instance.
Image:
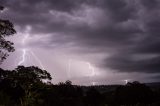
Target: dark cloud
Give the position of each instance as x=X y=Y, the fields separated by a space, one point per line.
x=134 y=63
x=150 y=4
x=126 y=30
x=156 y=77
x=29 y=6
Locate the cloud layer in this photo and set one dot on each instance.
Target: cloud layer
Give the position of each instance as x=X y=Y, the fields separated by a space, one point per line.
x=126 y=32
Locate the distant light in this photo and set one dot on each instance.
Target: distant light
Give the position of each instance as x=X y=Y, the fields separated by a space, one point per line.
x=126 y=81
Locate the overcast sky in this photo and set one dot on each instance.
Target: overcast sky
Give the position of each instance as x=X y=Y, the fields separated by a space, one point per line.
x=86 y=41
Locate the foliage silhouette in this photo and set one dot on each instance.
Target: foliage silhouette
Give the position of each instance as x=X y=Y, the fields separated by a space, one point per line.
x=93 y=97
x=25 y=86
x=6 y=29
x=19 y=84
x=133 y=93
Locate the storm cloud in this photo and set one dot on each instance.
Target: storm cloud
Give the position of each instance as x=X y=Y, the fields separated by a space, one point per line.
x=125 y=32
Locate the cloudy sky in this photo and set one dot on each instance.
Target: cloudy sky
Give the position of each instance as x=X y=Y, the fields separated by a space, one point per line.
x=87 y=41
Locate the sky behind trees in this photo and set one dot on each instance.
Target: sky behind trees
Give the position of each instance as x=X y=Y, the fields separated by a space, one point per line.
x=86 y=41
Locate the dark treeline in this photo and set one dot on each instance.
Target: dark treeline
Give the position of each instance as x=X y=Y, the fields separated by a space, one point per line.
x=31 y=86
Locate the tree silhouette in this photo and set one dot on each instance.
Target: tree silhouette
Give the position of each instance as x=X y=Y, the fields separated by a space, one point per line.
x=93 y=97
x=19 y=85
x=6 y=29
x=27 y=78
x=24 y=86
x=133 y=93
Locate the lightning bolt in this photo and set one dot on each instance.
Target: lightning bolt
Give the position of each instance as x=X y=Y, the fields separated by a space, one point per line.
x=23 y=57
x=126 y=81
x=37 y=59
x=91 y=68
x=28 y=28
x=26 y=51
x=93 y=71
x=69 y=68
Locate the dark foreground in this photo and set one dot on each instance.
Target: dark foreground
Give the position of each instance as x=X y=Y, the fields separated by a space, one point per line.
x=24 y=86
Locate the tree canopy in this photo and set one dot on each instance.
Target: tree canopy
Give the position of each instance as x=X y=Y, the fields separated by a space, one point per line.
x=6 y=29
x=19 y=86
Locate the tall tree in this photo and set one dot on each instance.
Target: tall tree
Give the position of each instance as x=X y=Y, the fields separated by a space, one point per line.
x=22 y=85
x=6 y=29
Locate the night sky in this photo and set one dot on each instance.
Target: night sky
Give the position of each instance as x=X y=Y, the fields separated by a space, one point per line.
x=87 y=41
